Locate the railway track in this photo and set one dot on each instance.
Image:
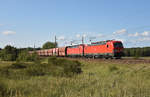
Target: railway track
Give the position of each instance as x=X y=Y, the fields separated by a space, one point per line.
x=120 y=61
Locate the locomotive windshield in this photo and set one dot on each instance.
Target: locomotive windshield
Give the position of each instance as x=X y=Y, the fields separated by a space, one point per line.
x=118 y=44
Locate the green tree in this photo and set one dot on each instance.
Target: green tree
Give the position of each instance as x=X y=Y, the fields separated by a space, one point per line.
x=49 y=45
x=138 y=52
x=9 y=53
x=25 y=56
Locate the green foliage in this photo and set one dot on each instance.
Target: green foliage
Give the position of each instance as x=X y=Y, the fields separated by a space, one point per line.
x=9 y=53
x=49 y=45
x=99 y=79
x=56 y=67
x=23 y=56
x=37 y=70
x=21 y=70
x=137 y=52
x=68 y=67
x=26 y=57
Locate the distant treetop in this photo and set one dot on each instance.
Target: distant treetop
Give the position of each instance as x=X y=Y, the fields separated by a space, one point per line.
x=49 y=45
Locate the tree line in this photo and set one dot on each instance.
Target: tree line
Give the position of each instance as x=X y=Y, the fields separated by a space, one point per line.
x=137 y=52
x=10 y=53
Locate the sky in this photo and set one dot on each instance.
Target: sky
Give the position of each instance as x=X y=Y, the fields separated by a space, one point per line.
x=25 y=23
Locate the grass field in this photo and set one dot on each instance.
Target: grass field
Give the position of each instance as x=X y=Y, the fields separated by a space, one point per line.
x=98 y=79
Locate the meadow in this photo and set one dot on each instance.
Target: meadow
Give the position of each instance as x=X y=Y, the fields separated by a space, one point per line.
x=98 y=79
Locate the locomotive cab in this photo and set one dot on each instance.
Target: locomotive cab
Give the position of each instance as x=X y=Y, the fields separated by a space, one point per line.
x=118 y=49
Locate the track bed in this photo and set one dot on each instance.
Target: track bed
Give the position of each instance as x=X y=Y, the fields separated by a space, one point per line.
x=119 y=61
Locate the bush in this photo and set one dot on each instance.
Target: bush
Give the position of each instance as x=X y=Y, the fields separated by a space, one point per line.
x=37 y=70
x=26 y=57
x=69 y=67
x=9 y=53
x=54 y=67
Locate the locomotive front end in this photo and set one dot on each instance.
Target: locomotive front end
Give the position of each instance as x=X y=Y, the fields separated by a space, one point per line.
x=118 y=49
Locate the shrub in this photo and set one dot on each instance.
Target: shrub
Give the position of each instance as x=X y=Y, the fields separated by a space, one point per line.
x=9 y=53
x=55 y=67
x=69 y=67
x=26 y=57
x=37 y=70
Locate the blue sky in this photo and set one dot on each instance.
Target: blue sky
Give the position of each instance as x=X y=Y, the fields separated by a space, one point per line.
x=24 y=23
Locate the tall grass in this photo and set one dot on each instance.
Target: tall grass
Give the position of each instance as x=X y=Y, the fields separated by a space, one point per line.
x=99 y=79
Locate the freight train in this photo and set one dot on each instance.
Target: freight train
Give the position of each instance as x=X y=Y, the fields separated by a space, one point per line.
x=103 y=49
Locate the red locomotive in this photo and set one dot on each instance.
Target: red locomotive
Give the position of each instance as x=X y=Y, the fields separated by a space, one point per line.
x=107 y=49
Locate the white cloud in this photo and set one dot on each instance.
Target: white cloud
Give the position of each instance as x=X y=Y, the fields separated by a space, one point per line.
x=84 y=35
x=1 y=24
x=122 y=31
x=8 y=32
x=144 y=39
x=99 y=35
x=135 y=34
x=61 y=38
x=145 y=33
x=78 y=35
